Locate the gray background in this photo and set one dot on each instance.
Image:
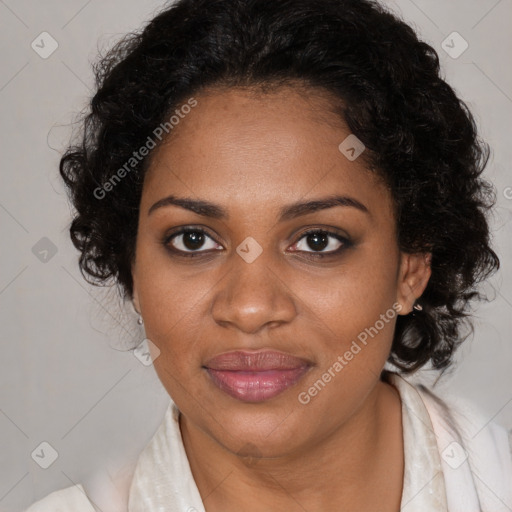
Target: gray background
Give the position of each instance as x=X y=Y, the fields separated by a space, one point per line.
x=65 y=378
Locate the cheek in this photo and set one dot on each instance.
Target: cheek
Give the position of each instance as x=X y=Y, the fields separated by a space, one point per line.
x=358 y=336
x=355 y=296
x=172 y=303
x=167 y=292
x=356 y=310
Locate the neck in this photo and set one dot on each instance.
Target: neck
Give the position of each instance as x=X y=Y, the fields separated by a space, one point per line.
x=348 y=470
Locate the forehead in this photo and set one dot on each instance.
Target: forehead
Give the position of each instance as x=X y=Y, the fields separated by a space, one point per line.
x=262 y=146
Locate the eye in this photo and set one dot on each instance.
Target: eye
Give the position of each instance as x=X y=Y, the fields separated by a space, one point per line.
x=319 y=241
x=190 y=240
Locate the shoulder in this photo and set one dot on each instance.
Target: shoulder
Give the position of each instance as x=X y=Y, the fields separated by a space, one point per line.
x=468 y=421
x=459 y=418
x=474 y=452
x=469 y=440
x=70 y=499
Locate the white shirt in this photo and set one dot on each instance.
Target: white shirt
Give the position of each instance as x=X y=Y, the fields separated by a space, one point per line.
x=450 y=465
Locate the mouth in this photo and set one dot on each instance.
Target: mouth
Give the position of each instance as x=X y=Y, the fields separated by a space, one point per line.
x=255 y=376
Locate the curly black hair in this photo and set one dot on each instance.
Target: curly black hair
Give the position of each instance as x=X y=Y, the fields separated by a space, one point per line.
x=420 y=137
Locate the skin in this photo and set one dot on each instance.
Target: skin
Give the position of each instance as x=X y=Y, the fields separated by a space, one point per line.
x=252 y=154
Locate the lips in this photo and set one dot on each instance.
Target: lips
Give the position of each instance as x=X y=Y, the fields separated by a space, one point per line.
x=255 y=376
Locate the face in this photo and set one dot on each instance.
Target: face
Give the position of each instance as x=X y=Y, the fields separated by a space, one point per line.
x=264 y=255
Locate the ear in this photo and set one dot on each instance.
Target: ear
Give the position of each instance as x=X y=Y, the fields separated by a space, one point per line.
x=413 y=276
x=135 y=293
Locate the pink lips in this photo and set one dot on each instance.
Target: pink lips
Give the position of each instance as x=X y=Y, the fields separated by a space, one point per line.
x=255 y=376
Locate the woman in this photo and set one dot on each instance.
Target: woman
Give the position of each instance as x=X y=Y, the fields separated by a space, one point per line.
x=292 y=198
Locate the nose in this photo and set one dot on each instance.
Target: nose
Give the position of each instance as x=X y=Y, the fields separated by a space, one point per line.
x=252 y=297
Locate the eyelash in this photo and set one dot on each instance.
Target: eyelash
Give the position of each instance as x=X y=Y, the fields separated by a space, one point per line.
x=346 y=243
x=185 y=254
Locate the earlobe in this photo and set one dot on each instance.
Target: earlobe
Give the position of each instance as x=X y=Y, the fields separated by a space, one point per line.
x=414 y=274
x=136 y=304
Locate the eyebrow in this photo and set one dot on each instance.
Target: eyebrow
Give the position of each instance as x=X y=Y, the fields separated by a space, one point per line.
x=207 y=209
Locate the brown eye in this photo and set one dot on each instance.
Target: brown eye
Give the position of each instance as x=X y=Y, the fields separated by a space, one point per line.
x=191 y=240
x=319 y=241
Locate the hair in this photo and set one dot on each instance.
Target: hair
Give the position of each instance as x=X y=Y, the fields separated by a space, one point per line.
x=419 y=137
